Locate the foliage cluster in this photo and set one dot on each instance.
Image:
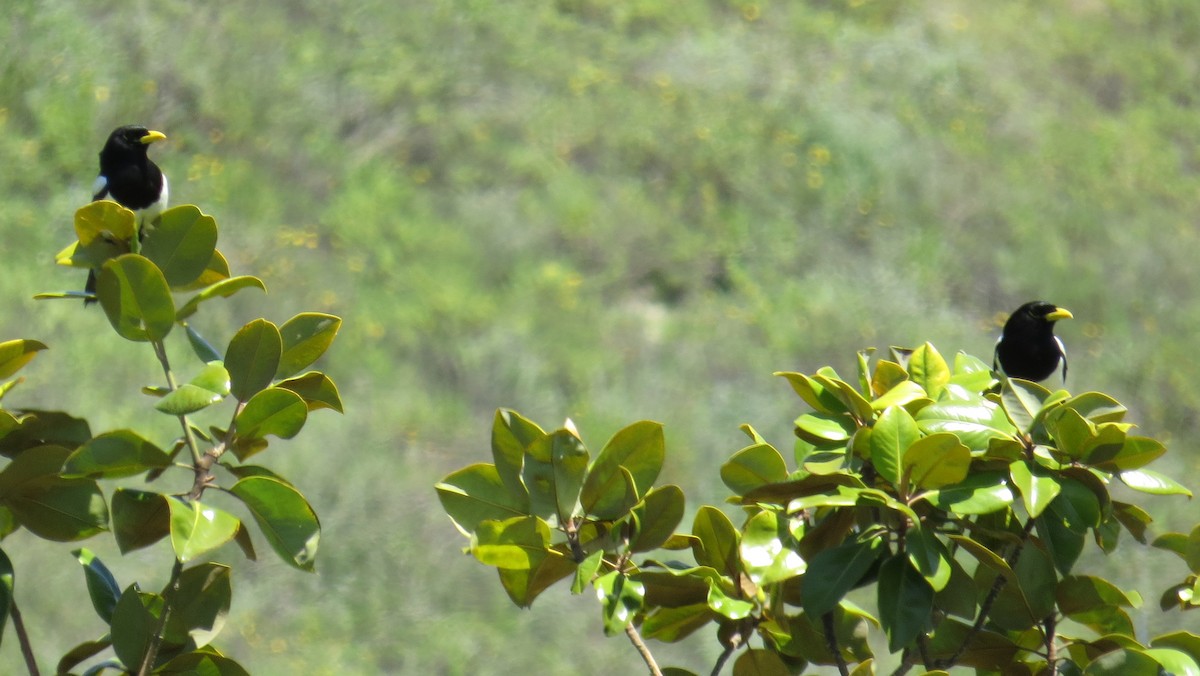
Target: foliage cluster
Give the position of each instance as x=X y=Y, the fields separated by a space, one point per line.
x=51 y=484
x=965 y=503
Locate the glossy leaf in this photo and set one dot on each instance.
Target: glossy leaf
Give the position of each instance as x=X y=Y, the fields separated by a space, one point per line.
x=677 y=623
x=586 y=571
x=975 y=423
x=979 y=493
x=15 y=354
x=822 y=428
x=718 y=544
x=937 y=460
x=104 y=220
x=659 y=514
x=621 y=598
x=224 y=288
x=197 y=529
x=200 y=604
x=894 y=431
x=475 y=494
x=928 y=369
x=273 y=411
x=216 y=270
x=101 y=585
x=63 y=510
x=813 y=393
x=134 y=619
x=1136 y=452
x=252 y=358
x=305 y=338
x=182 y=244
x=316 y=389
x=1037 y=489
x=768 y=550
x=187 y=398
x=140 y=518
x=201 y=662
x=905 y=602
x=201 y=347
x=516 y=544
x=1149 y=481
x=929 y=556
x=511 y=435
x=639 y=449
x=905 y=392
x=752 y=467
x=1097 y=407
x=136 y=299
x=1022 y=401
x=285 y=518
x=838 y=570
x=728 y=606
x=569 y=460
x=113 y=455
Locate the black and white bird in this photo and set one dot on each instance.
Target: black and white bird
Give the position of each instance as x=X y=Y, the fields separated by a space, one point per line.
x=1028 y=348
x=129 y=178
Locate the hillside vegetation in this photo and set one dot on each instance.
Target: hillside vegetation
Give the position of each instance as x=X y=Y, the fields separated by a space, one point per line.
x=606 y=211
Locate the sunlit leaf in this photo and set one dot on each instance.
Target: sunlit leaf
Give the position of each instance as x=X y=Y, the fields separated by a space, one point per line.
x=752 y=467
x=305 y=338
x=252 y=358
x=285 y=518
x=15 y=354
x=135 y=297
x=182 y=244
x=102 y=586
x=197 y=528
x=224 y=288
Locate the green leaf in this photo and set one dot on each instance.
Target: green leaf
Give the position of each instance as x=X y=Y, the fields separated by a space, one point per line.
x=102 y=220
x=252 y=358
x=893 y=433
x=975 y=423
x=511 y=435
x=1136 y=452
x=200 y=604
x=1037 y=489
x=475 y=494
x=838 y=570
x=1149 y=481
x=1123 y=662
x=201 y=347
x=201 y=662
x=1070 y=430
x=905 y=392
x=197 y=528
x=7 y=585
x=285 y=517
x=316 y=389
x=1022 y=401
x=640 y=449
x=929 y=556
x=1097 y=407
x=113 y=455
x=718 y=540
x=569 y=459
x=676 y=623
x=187 y=398
x=305 y=338
x=814 y=394
x=81 y=653
x=133 y=624
x=928 y=369
x=1081 y=593
x=515 y=544
x=182 y=244
x=937 y=460
x=51 y=507
x=821 y=428
x=1133 y=518
x=752 y=467
x=525 y=585
x=979 y=493
x=136 y=299
x=140 y=518
x=15 y=354
x=659 y=514
x=759 y=662
x=1175 y=662
x=905 y=602
x=217 y=270
x=224 y=288
x=621 y=598
x=768 y=550
x=273 y=411
x=102 y=586
x=728 y=606
x=586 y=571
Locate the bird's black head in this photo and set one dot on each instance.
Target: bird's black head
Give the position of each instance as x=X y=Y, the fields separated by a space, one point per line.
x=131 y=139
x=1038 y=311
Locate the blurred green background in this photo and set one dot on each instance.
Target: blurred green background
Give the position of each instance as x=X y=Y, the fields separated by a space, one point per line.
x=604 y=210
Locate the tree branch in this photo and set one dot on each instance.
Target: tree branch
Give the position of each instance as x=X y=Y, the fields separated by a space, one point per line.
x=831 y=642
x=636 y=639
x=156 y=639
x=23 y=639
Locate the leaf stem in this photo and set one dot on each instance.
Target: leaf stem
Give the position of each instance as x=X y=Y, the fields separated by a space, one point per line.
x=157 y=638
x=23 y=639
x=636 y=639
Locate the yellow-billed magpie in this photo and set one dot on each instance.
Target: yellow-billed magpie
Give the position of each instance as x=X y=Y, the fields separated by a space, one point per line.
x=1027 y=347
x=129 y=178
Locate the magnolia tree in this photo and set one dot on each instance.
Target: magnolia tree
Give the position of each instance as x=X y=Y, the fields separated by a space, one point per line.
x=962 y=503
x=228 y=403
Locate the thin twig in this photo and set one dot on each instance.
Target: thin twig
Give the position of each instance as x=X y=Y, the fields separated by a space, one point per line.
x=156 y=639
x=723 y=658
x=636 y=639
x=910 y=658
x=832 y=643
x=986 y=607
x=23 y=639
x=1051 y=623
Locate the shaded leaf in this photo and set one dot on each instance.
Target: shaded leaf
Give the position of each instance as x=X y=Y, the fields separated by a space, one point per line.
x=15 y=354
x=252 y=358
x=285 y=518
x=140 y=518
x=316 y=389
x=273 y=411
x=182 y=244
x=135 y=297
x=113 y=455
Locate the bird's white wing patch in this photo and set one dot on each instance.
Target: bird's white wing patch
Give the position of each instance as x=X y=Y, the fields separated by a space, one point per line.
x=100 y=188
x=163 y=202
x=1062 y=350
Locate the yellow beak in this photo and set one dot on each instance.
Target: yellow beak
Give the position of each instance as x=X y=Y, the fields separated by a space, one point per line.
x=1059 y=313
x=152 y=136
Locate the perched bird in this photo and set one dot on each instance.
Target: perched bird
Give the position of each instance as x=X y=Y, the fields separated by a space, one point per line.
x=1027 y=347
x=129 y=178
